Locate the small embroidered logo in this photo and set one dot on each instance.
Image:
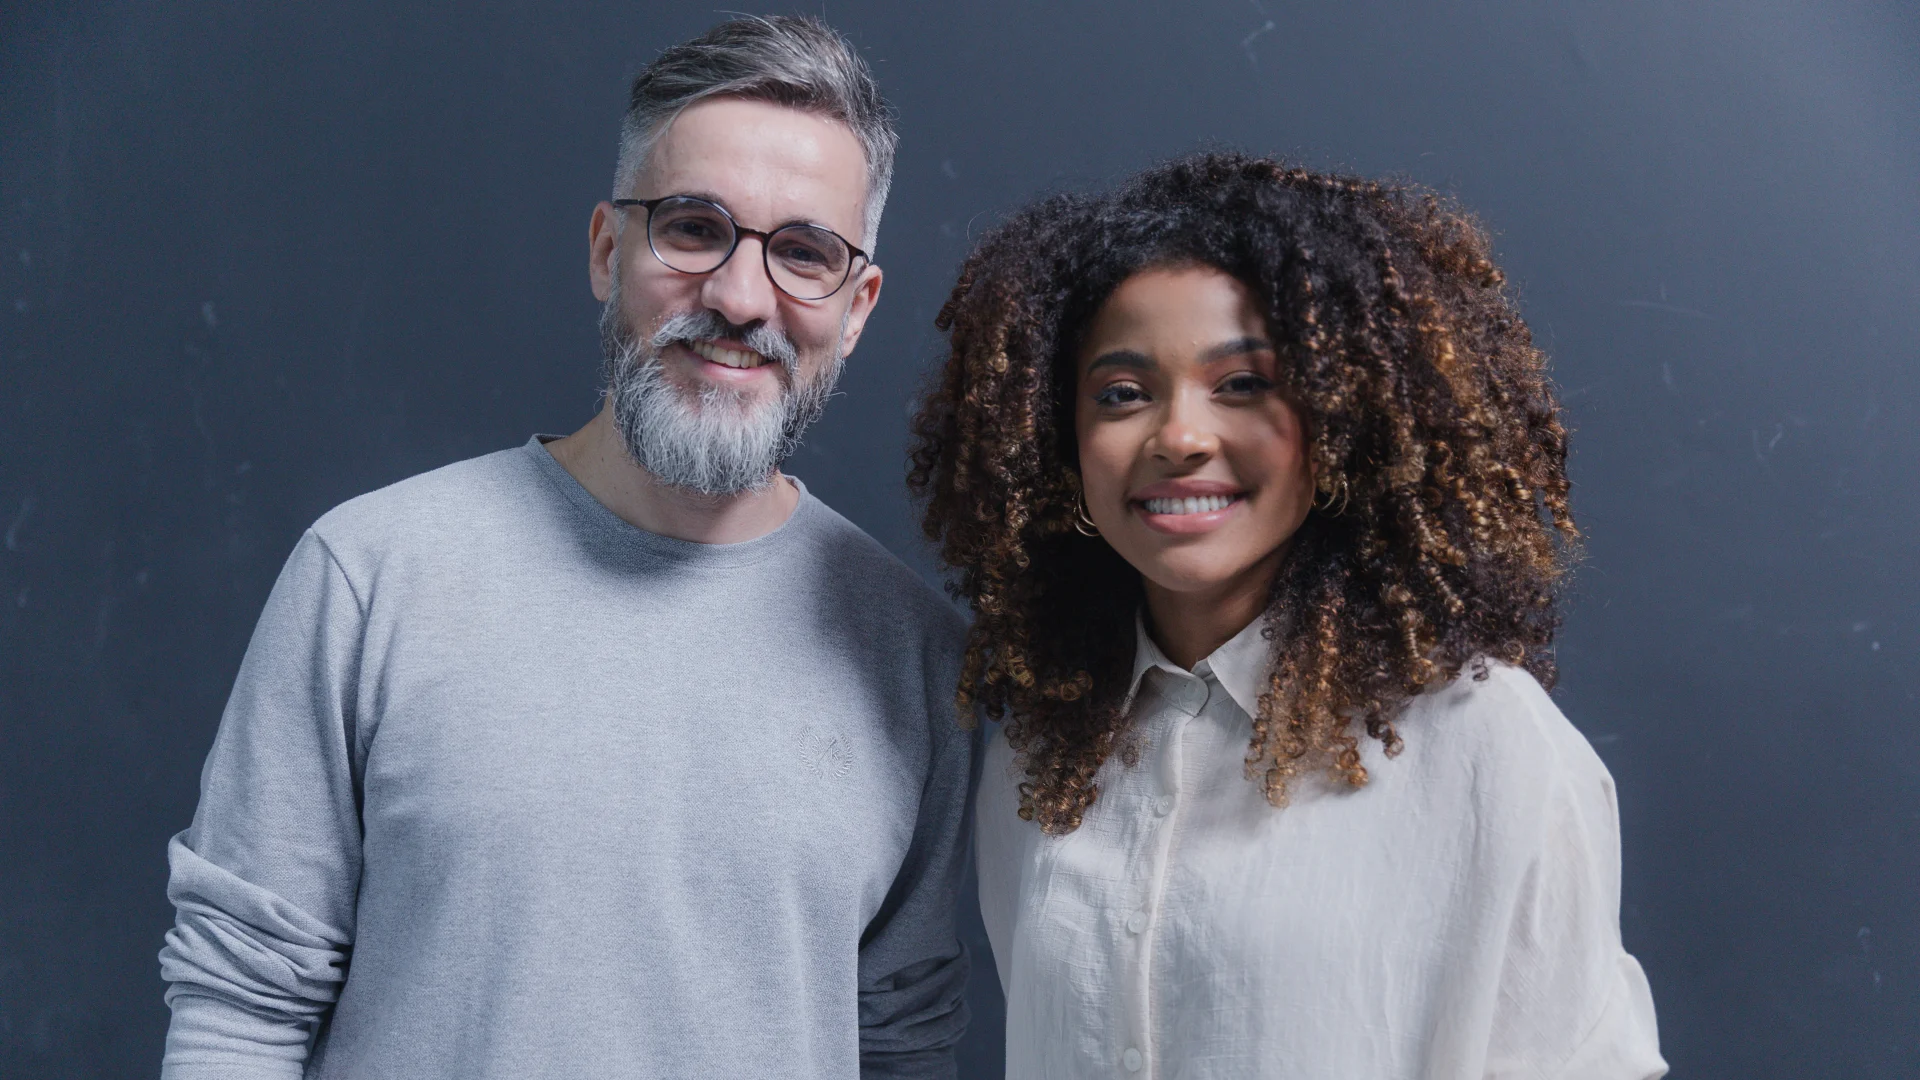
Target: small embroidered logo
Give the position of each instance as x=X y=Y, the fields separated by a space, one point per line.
x=827 y=756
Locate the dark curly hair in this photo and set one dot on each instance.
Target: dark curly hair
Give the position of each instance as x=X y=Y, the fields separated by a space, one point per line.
x=1440 y=531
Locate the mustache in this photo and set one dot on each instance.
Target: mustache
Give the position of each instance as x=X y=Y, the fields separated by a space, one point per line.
x=709 y=325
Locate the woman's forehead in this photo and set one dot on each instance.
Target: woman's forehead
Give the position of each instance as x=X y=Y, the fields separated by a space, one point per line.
x=1174 y=312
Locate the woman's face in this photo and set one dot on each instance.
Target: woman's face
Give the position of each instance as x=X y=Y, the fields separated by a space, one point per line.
x=1195 y=468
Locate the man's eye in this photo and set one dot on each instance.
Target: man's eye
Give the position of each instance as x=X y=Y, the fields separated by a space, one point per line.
x=800 y=255
x=690 y=231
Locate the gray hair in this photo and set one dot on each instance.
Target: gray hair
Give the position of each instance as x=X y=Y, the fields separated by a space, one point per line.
x=793 y=60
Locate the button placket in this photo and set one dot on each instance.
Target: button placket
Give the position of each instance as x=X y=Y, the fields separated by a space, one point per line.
x=1181 y=698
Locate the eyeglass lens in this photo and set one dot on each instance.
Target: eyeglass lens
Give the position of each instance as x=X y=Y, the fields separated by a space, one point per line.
x=694 y=237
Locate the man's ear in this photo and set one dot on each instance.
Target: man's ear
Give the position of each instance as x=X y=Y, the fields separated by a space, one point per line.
x=603 y=246
x=866 y=293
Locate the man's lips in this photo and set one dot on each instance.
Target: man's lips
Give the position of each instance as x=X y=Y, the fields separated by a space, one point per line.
x=725 y=363
x=726 y=355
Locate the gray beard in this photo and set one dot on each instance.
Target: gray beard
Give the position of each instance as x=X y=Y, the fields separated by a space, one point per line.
x=716 y=441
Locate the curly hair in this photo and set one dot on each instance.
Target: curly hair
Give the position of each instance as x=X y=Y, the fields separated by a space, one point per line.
x=1440 y=532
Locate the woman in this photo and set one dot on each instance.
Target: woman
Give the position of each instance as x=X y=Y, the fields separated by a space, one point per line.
x=1255 y=482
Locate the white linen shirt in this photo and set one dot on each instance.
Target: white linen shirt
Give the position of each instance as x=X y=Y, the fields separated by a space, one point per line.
x=1457 y=917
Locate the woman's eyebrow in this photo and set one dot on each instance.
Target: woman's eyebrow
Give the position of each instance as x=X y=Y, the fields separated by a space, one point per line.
x=1236 y=347
x=1123 y=358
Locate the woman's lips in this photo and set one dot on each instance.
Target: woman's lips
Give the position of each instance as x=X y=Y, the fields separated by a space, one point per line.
x=1185 y=515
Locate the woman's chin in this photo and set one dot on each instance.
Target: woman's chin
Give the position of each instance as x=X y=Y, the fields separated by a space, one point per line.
x=1182 y=572
x=1202 y=565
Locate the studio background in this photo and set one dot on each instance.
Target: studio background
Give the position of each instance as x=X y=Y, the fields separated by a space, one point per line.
x=256 y=260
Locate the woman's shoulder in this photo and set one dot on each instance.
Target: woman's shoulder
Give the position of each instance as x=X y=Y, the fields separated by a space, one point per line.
x=1494 y=727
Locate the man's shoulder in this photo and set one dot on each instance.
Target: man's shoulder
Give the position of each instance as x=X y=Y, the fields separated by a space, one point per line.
x=893 y=621
x=427 y=508
x=861 y=568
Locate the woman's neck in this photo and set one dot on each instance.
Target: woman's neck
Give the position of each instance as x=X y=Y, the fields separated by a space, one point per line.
x=1189 y=626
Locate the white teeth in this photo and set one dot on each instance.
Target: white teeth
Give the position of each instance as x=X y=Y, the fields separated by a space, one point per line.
x=1204 y=504
x=720 y=354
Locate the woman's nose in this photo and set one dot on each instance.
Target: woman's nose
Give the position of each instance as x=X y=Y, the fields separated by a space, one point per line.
x=1184 y=435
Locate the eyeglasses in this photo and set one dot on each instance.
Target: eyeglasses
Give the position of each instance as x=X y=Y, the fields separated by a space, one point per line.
x=696 y=236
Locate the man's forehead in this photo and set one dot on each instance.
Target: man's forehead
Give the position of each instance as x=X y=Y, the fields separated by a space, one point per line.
x=769 y=164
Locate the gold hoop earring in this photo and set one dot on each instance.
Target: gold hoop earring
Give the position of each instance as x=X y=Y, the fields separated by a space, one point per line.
x=1083 y=524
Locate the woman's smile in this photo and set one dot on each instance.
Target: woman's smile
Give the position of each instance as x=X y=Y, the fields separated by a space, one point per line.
x=1186 y=507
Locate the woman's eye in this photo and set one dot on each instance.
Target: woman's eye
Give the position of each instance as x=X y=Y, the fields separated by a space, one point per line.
x=1119 y=394
x=1247 y=384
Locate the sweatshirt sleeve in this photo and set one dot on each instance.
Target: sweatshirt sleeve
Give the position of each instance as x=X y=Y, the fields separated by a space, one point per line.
x=998 y=853
x=913 y=968
x=263 y=882
x=1573 y=1003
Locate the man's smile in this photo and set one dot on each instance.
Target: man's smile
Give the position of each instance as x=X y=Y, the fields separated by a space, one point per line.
x=726 y=355
x=726 y=361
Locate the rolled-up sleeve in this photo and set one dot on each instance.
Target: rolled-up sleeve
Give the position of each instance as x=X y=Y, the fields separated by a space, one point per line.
x=263 y=882
x=1573 y=1004
x=913 y=968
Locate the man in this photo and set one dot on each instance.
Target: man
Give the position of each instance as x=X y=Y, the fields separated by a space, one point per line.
x=619 y=754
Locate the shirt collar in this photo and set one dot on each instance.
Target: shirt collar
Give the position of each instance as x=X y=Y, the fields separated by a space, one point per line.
x=1239 y=666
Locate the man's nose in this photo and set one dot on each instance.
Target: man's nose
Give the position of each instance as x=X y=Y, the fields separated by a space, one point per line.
x=739 y=290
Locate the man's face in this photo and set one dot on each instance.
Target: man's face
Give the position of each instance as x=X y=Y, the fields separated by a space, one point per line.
x=719 y=372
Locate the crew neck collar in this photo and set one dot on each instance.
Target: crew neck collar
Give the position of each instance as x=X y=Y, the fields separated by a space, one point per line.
x=610 y=526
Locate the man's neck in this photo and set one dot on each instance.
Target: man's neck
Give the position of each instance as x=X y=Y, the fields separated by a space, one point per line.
x=597 y=457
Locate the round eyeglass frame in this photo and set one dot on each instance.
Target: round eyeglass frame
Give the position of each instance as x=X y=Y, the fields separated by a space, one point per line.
x=739 y=230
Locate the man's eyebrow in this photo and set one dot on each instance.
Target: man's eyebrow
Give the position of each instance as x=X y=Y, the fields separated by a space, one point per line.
x=1123 y=358
x=700 y=193
x=1236 y=347
x=720 y=202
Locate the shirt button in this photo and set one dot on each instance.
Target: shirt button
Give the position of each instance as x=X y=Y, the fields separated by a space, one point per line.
x=1131 y=1059
x=1136 y=922
x=1163 y=806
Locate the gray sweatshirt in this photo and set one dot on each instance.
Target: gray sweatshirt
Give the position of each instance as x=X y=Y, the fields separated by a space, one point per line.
x=508 y=788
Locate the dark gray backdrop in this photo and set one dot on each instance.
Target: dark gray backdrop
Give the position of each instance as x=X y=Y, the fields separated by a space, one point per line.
x=255 y=262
